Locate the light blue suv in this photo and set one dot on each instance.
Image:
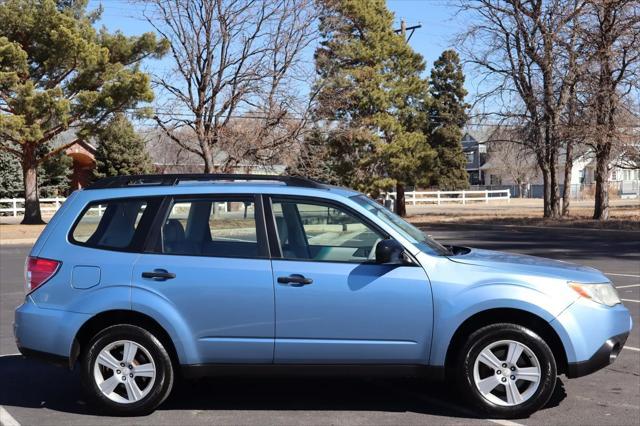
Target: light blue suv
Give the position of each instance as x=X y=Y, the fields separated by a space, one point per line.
x=138 y=279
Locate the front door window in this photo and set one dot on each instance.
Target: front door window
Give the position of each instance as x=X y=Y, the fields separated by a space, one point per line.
x=322 y=232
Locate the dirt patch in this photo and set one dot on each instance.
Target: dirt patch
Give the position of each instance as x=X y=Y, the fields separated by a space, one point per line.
x=11 y=232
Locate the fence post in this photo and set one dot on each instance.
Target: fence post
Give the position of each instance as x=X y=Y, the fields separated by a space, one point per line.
x=413 y=198
x=508 y=196
x=57 y=203
x=438 y=196
x=486 y=196
x=14 y=204
x=464 y=201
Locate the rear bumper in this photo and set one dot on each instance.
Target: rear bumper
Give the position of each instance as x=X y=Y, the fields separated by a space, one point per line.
x=46 y=333
x=605 y=355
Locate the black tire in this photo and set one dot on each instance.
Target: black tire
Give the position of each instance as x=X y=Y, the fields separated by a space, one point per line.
x=159 y=389
x=481 y=339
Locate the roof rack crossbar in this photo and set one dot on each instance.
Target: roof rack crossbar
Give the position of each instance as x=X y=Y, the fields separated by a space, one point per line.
x=174 y=179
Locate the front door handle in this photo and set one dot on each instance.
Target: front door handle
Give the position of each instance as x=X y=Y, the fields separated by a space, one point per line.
x=295 y=280
x=159 y=275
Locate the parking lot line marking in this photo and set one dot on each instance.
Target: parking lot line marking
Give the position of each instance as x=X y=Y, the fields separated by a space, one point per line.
x=505 y=422
x=631 y=348
x=630 y=300
x=7 y=419
x=622 y=275
x=628 y=286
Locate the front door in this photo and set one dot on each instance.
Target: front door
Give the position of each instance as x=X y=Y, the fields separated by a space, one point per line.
x=334 y=304
x=211 y=264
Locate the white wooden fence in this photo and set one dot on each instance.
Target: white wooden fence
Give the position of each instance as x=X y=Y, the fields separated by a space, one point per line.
x=413 y=198
x=15 y=206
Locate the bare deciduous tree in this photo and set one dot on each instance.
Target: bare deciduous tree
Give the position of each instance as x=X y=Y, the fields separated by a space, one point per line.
x=510 y=157
x=613 y=33
x=234 y=60
x=528 y=52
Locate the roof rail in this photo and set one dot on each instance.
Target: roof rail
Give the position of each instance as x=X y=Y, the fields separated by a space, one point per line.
x=174 y=179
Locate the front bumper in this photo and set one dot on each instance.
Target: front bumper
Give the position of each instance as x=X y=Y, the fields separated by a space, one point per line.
x=605 y=355
x=592 y=335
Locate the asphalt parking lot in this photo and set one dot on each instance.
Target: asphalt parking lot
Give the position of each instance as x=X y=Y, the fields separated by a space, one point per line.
x=34 y=393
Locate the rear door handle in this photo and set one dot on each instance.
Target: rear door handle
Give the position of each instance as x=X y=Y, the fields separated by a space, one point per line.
x=159 y=275
x=295 y=280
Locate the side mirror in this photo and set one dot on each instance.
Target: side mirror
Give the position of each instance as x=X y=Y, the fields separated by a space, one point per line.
x=389 y=252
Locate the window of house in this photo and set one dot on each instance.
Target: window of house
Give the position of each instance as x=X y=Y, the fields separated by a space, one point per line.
x=217 y=228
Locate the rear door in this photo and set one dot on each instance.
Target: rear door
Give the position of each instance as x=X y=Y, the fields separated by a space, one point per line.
x=334 y=304
x=209 y=259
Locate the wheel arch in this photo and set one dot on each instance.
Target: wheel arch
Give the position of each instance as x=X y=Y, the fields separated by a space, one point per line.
x=114 y=317
x=515 y=316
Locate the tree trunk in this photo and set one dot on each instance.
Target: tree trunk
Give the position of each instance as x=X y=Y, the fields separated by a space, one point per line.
x=32 y=215
x=566 y=191
x=601 y=208
x=401 y=208
x=554 y=189
x=546 y=188
x=208 y=163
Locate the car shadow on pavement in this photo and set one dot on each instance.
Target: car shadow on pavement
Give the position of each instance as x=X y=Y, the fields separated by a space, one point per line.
x=33 y=384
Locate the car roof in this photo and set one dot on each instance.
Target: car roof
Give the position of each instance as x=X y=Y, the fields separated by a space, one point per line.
x=176 y=184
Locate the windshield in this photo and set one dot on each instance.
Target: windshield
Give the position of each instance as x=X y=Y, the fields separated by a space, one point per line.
x=401 y=226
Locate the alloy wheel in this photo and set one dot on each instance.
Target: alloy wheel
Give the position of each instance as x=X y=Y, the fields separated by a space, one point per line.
x=507 y=373
x=124 y=371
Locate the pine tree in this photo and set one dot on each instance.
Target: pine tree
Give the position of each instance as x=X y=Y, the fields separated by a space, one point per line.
x=447 y=116
x=121 y=151
x=10 y=176
x=53 y=175
x=58 y=71
x=370 y=82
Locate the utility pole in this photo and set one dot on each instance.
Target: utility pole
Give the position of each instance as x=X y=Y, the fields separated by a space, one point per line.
x=400 y=206
x=403 y=29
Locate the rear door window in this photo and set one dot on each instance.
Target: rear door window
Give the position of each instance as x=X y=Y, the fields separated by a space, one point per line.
x=221 y=227
x=110 y=224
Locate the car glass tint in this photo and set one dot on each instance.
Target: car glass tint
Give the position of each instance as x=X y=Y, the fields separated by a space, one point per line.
x=109 y=224
x=322 y=233
x=218 y=228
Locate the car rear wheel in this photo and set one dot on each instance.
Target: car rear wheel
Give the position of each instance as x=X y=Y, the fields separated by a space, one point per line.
x=126 y=370
x=507 y=370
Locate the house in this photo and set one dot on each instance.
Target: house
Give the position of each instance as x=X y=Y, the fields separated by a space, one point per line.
x=475 y=152
x=84 y=161
x=494 y=161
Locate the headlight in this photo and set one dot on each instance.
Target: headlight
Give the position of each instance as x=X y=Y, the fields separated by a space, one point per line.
x=604 y=293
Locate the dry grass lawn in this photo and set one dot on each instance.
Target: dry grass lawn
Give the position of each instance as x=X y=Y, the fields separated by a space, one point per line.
x=624 y=214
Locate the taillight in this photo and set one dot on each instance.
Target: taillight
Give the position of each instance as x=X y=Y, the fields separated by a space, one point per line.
x=38 y=271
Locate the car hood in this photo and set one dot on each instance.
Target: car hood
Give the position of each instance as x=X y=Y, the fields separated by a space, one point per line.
x=531 y=265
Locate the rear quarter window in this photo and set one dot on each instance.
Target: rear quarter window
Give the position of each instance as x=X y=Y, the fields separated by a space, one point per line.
x=110 y=224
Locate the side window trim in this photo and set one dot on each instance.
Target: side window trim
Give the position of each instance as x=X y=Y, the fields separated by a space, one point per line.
x=274 y=243
x=154 y=241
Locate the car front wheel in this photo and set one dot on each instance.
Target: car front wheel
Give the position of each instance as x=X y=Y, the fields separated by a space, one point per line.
x=507 y=370
x=126 y=370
